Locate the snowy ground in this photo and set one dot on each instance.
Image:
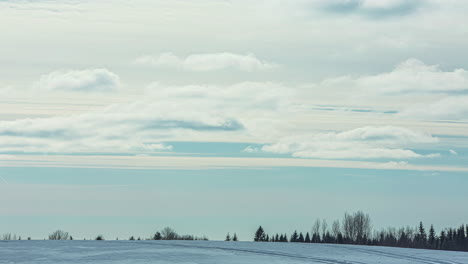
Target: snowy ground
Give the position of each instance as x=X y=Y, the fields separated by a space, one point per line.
x=214 y=252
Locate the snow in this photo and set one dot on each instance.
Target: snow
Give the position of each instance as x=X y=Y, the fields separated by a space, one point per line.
x=192 y=252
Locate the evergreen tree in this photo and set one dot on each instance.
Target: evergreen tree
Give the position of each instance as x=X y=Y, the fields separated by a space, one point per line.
x=234 y=238
x=294 y=237
x=131 y=238
x=422 y=232
x=259 y=235
x=307 y=238
x=267 y=239
x=301 y=238
x=277 y=238
x=432 y=237
x=228 y=237
x=442 y=239
x=157 y=236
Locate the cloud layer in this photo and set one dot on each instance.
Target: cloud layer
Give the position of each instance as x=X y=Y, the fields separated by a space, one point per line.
x=363 y=143
x=208 y=62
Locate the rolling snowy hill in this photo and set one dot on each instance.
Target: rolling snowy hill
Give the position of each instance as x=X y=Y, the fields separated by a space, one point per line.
x=214 y=252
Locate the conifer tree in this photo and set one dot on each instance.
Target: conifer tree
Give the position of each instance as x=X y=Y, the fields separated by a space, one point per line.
x=307 y=238
x=294 y=237
x=234 y=238
x=259 y=235
x=228 y=237
x=157 y=236
x=432 y=236
x=301 y=238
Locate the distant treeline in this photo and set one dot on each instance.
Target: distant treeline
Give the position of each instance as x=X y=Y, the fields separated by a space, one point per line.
x=356 y=229
x=166 y=233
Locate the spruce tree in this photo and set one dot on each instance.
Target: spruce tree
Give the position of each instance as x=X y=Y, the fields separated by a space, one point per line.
x=259 y=235
x=157 y=236
x=234 y=238
x=228 y=237
x=294 y=237
x=432 y=237
x=421 y=236
x=307 y=238
x=301 y=238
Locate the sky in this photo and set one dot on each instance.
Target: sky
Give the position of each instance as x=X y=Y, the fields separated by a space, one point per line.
x=214 y=116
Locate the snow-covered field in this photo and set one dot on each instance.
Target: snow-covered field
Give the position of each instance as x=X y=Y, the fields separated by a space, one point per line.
x=214 y=252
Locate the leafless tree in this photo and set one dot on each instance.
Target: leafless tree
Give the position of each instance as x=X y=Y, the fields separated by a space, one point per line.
x=59 y=235
x=362 y=225
x=336 y=229
x=168 y=234
x=357 y=227
x=324 y=228
x=316 y=227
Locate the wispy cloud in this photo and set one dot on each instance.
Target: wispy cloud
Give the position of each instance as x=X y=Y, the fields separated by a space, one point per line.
x=90 y=80
x=207 y=62
x=448 y=108
x=191 y=163
x=360 y=143
x=410 y=76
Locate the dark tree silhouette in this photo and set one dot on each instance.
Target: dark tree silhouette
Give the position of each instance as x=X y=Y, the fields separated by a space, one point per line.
x=260 y=235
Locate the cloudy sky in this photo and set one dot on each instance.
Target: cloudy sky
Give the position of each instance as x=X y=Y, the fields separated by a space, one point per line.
x=213 y=116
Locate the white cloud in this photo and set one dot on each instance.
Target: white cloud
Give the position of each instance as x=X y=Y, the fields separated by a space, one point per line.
x=250 y=149
x=410 y=76
x=208 y=62
x=90 y=80
x=136 y=127
x=453 y=152
x=362 y=143
x=448 y=108
x=412 y=90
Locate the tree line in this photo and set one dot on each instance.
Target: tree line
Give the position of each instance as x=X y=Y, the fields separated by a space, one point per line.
x=357 y=229
x=166 y=233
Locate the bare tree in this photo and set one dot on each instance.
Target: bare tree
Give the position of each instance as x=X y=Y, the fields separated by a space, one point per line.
x=363 y=226
x=168 y=234
x=336 y=229
x=59 y=235
x=357 y=227
x=324 y=228
x=348 y=227
x=316 y=227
